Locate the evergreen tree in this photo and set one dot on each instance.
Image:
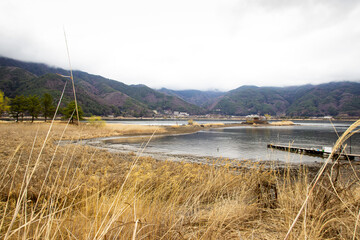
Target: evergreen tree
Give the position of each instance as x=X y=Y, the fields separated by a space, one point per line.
x=4 y=103
x=18 y=107
x=69 y=111
x=48 y=108
x=33 y=106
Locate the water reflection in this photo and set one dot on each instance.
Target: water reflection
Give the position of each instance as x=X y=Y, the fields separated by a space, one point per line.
x=251 y=142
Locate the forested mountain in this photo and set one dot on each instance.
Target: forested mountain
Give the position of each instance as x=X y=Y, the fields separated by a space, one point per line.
x=197 y=97
x=100 y=96
x=335 y=98
x=96 y=95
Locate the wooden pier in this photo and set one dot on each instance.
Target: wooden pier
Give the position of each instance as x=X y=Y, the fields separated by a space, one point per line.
x=313 y=151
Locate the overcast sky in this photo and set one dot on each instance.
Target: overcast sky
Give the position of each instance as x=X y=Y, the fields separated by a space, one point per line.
x=189 y=44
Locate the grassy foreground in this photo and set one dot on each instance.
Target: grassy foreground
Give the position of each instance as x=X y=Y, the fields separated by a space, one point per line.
x=55 y=191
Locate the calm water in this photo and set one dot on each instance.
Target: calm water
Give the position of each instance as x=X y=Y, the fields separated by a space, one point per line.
x=251 y=142
x=166 y=122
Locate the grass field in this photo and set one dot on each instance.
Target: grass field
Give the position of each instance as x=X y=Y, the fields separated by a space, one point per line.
x=55 y=191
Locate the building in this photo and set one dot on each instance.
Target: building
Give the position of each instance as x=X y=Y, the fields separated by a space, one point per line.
x=251 y=119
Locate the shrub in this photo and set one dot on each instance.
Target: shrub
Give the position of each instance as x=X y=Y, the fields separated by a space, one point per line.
x=96 y=121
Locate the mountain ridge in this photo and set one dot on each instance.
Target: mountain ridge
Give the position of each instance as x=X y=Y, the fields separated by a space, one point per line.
x=96 y=94
x=101 y=96
x=334 y=98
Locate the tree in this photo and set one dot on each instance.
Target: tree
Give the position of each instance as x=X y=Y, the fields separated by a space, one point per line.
x=4 y=103
x=18 y=107
x=96 y=121
x=48 y=108
x=268 y=116
x=69 y=112
x=33 y=106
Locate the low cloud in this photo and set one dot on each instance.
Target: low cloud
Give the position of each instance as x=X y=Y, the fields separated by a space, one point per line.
x=187 y=44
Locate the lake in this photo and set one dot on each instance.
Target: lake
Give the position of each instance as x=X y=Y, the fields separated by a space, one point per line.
x=247 y=142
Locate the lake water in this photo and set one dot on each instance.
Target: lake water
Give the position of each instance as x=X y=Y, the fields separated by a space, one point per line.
x=167 y=122
x=250 y=142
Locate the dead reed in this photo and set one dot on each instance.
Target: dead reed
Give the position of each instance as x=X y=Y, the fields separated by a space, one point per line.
x=77 y=192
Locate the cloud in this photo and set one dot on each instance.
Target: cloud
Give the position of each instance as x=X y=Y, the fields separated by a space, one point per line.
x=190 y=44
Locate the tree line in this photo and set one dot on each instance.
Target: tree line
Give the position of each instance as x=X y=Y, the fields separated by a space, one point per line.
x=35 y=106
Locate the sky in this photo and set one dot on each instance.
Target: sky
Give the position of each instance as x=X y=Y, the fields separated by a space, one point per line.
x=189 y=44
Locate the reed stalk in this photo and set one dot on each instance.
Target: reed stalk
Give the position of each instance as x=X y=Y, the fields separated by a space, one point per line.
x=79 y=192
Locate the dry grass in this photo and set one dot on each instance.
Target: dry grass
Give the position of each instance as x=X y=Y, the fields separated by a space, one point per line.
x=282 y=123
x=77 y=192
x=214 y=125
x=128 y=129
x=87 y=131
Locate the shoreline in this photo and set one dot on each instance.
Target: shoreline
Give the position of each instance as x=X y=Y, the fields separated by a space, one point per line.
x=172 y=130
x=76 y=186
x=192 y=158
x=125 y=133
x=231 y=163
x=199 y=118
x=123 y=146
x=195 y=118
x=88 y=131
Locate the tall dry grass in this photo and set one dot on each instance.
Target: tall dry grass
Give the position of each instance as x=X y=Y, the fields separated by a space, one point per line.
x=77 y=192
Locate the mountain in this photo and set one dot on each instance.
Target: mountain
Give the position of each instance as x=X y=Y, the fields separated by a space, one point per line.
x=251 y=99
x=196 y=97
x=100 y=96
x=335 y=98
x=97 y=95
